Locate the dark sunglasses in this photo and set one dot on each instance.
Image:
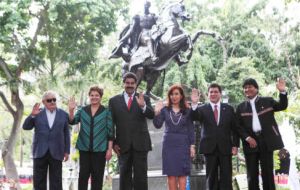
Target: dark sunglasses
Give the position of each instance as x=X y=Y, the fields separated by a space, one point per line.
x=51 y=100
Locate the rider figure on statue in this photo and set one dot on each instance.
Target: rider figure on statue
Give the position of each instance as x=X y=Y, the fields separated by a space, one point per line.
x=137 y=33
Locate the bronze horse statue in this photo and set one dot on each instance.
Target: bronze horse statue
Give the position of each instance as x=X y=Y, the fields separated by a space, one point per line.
x=170 y=41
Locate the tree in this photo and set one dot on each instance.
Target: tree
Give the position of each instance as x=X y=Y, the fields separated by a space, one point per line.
x=49 y=36
x=232 y=75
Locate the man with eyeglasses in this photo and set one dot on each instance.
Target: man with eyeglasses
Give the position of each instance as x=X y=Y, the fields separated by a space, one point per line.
x=51 y=142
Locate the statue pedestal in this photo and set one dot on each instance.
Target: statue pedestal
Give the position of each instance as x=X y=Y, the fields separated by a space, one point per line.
x=157 y=181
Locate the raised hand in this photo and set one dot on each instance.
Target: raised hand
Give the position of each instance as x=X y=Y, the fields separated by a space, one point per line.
x=35 y=109
x=72 y=104
x=140 y=100
x=280 y=84
x=158 y=106
x=195 y=97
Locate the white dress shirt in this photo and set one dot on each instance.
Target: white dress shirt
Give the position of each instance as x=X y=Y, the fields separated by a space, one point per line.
x=126 y=97
x=256 y=127
x=194 y=107
x=50 y=117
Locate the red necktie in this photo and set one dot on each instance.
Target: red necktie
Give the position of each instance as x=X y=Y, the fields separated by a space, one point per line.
x=129 y=102
x=216 y=113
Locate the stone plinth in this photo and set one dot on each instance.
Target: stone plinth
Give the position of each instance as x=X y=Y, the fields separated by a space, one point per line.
x=156 y=181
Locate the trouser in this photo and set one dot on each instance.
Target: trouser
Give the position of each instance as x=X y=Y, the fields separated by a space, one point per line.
x=218 y=171
x=91 y=164
x=264 y=158
x=40 y=170
x=135 y=161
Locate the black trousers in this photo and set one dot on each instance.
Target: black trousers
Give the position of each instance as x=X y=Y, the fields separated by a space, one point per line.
x=91 y=164
x=218 y=171
x=40 y=170
x=133 y=170
x=264 y=158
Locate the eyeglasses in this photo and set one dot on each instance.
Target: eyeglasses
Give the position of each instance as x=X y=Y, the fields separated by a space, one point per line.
x=51 y=100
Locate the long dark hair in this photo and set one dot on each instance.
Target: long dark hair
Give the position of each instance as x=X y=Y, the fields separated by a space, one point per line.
x=182 y=104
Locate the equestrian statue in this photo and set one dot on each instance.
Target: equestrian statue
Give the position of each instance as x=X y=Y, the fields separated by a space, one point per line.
x=151 y=42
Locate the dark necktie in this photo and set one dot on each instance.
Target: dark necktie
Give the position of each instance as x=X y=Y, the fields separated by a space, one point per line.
x=129 y=102
x=216 y=113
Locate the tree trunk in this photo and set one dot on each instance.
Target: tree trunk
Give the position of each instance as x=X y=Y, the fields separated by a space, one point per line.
x=8 y=149
x=21 y=150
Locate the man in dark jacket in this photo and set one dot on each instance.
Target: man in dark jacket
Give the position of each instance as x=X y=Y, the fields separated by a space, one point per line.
x=259 y=132
x=132 y=143
x=51 y=142
x=219 y=140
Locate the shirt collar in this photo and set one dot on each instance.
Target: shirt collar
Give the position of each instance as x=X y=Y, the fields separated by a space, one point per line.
x=213 y=104
x=252 y=101
x=49 y=112
x=127 y=96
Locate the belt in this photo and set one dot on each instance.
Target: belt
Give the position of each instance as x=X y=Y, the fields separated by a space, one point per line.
x=258 y=133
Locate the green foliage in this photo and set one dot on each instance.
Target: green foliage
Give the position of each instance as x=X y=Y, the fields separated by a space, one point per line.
x=293 y=112
x=232 y=75
x=1 y=164
x=276 y=160
x=75 y=156
x=28 y=187
x=113 y=165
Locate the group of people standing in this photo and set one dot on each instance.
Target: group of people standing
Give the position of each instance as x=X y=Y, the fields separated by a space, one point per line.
x=122 y=127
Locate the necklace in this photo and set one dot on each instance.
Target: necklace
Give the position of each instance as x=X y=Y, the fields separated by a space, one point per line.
x=178 y=121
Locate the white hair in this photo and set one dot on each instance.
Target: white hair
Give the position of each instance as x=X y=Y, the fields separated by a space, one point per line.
x=49 y=92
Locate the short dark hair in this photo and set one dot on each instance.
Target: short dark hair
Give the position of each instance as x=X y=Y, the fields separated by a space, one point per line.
x=250 y=81
x=96 y=89
x=129 y=75
x=215 y=85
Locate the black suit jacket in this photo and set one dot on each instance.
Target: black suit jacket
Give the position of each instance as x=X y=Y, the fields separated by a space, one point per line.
x=265 y=108
x=130 y=125
x=224 y=136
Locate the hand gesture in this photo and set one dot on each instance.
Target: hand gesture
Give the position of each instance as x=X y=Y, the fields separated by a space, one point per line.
x=192 y=151
x=108 y=154
x=72 y=104
x=117 y=149
x=280 y=84
x=195 y=97
x=66 y=157
x=158 y=106
x=35 y=109
x=140 y=100
x=252 y=142
x=234 y=150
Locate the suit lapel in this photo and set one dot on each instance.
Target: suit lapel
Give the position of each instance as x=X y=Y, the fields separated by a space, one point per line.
x=211 y=113
x=133 y=104
x=56 y=118
x=44 y=117
x=222 y=114
x=123 y=104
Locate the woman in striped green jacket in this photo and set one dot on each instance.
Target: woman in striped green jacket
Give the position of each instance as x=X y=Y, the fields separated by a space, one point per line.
x=95 y=138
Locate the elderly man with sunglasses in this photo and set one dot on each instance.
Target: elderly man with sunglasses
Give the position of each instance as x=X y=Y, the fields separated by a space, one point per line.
x=51 y=142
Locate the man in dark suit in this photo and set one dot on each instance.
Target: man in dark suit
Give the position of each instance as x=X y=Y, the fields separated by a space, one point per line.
x=132 y=143
x=219 y=140
x=259 y=132
x=51 y=142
